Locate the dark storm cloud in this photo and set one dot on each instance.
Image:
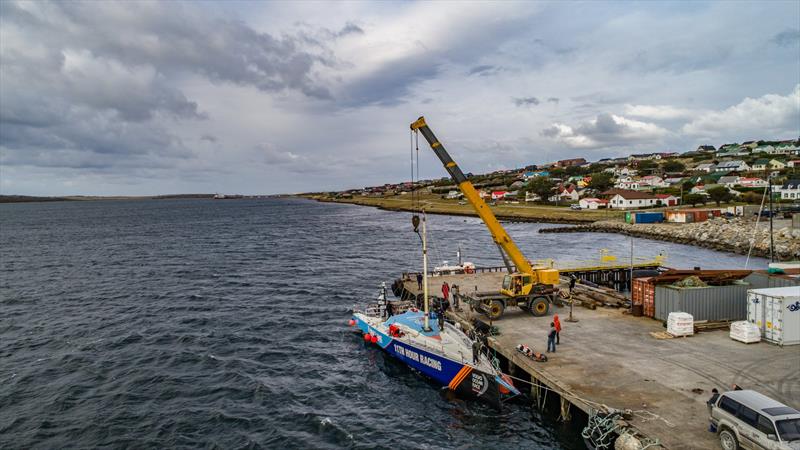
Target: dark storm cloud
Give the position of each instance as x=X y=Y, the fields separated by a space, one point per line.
x=526 y=101
x=787 y=38
x=83 y=81
x=390 y=84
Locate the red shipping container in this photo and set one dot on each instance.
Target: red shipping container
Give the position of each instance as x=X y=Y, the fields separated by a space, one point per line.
x=644 y=293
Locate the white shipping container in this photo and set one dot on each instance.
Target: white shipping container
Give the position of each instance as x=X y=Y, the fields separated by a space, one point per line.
x=776 y=312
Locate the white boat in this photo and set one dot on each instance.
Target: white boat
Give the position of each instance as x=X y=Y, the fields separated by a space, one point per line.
x=442 y=351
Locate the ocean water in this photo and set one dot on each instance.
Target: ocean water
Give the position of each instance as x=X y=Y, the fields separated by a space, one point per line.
x=222 y=324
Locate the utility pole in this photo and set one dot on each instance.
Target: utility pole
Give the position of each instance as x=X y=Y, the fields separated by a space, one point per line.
x=631 y=277
x=771 y=214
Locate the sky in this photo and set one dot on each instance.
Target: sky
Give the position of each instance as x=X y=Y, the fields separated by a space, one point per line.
x=146 y=98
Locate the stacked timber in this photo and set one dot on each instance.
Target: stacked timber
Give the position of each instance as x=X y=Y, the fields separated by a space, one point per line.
x=591 y=297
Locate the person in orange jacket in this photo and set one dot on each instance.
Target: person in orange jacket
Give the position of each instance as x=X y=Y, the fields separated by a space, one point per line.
x=558 y=328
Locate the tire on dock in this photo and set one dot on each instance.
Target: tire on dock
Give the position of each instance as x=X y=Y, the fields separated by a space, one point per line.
x=495 y=309
x=539 y=306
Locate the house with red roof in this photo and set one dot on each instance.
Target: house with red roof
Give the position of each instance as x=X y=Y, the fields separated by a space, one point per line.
x=668 y=199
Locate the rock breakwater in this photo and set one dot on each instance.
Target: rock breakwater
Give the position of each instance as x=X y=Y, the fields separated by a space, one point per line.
x=731 y=235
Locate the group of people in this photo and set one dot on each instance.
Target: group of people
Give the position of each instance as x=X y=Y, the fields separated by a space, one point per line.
x=554 y=336
x=446 y=289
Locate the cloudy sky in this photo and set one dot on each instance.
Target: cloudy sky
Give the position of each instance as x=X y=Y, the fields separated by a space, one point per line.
x=139 y=98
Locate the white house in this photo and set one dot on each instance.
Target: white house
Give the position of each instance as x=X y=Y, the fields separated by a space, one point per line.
x=625 y=199
x=728 y=181
x=751 y=182
x=652 y=181
x=593 y=203
x=793 y=163
x=785 y=149
x=736 y=164
x=764 y=149
x=454 y=195
x=707 y=167
x=499 y=195
x=569 y=194
x=790 y=190
x=668 y=199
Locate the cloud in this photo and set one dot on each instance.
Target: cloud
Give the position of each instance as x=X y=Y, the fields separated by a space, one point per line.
x=350 y=28
x=484 y=70
x=772 y=115
x=553 y=100
x=209 y=138
x=526 y=101
x=605 y=130
x=660 y=112
x=787 y=38
x=100 y=84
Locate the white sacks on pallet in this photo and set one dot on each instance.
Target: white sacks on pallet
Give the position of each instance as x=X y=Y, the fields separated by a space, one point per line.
x=745 y=331
x=680 y=324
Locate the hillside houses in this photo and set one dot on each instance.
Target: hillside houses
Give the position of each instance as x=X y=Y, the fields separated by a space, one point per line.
x=734 y=165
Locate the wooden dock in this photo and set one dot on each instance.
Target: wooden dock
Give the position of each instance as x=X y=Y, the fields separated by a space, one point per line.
x=610 y=358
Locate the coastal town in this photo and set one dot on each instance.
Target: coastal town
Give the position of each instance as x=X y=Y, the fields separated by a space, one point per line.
x=720 y=198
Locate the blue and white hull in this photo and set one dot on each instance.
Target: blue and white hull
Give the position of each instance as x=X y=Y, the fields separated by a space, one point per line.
x=445 y=357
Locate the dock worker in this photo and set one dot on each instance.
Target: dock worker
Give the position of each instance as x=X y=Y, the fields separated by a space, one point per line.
x=476 y=351
x=456 y=295
x=441 y=319
x=572 y=280
x=551 y=338
x=419 y=281
x=558 y=329
x=445 y=290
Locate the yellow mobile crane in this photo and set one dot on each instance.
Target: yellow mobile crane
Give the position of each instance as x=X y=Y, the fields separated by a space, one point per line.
x=530 y=288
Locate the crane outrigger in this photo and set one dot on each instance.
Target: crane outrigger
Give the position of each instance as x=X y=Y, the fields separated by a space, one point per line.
x=532 y=288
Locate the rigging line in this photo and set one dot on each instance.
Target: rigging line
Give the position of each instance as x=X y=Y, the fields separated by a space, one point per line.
x=755 y=231
x=416 y=133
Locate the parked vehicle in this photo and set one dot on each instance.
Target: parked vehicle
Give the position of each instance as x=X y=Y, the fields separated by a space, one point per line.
x=747 y=419
x=575 y=207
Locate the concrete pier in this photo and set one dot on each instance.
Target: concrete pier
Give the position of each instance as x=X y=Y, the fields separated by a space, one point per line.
x=609 y=358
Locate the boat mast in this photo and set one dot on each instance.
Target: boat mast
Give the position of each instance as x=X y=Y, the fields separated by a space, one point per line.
x=425 y=273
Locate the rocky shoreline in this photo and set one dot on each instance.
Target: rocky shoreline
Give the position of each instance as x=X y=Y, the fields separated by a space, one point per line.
x=730 y=235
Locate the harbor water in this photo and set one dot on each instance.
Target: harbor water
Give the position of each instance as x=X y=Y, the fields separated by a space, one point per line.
x=223 y=324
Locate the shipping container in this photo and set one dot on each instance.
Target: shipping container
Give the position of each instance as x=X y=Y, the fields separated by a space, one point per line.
x=776 y=312
x=649 y=217
x=762 y=280
x=703 y=303
x=644 y=294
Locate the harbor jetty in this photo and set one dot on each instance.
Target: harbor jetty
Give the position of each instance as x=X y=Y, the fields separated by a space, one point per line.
x=733 y=235
x=609 y=360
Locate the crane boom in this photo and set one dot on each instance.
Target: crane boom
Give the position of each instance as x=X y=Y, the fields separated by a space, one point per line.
x=497 y=231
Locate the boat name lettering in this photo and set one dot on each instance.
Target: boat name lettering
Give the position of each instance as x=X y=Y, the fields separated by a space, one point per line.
x=414 y=356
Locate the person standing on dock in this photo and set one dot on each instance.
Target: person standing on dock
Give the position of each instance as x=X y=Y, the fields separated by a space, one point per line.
x=419 y=281
x=476 y=351
x=456 y=296
x=445 y=291
x=551 y=338
x=557 y=324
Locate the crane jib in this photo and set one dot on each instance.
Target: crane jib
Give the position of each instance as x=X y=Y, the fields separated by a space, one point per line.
x=449 y=165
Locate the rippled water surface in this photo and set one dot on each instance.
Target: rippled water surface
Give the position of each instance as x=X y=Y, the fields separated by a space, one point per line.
x=222 y=324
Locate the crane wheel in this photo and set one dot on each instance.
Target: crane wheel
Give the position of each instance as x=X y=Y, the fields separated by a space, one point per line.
x=495 y=309
x=540 y=307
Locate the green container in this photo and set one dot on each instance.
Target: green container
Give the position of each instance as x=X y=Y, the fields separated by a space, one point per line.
x=628 y=217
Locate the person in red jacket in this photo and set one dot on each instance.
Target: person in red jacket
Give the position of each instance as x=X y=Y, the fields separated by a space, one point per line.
x=445 y=291
x=558 y=328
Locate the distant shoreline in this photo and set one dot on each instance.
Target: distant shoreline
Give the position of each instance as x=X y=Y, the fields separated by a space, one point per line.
x=89 y=198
